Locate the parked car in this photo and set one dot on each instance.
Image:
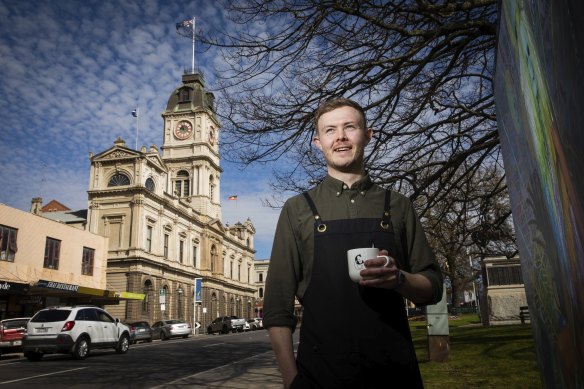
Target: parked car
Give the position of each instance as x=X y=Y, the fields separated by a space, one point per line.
x=74 y=330
x=11 y=333
x=140 y=331
x=251 y=325
x=225 y=324
x=260 y=322
x=172 y=328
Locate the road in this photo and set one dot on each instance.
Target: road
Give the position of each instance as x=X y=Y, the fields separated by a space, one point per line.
x=160 y=364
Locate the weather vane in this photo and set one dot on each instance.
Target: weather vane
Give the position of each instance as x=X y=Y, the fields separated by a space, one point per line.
x=186 y=28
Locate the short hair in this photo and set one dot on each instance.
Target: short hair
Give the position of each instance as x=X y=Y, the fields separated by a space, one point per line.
x=338 y=102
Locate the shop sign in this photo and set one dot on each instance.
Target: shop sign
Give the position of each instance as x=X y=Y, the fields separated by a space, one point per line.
x=57 y=285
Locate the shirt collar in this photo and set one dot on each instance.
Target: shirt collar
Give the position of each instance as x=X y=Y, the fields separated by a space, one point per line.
x=339 y=186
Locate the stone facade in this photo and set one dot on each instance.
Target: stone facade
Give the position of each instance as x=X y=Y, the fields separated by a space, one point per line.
x=162 y=216
x=505 y=291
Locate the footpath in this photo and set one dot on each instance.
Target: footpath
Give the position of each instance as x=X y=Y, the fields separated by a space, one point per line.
x=259 y=371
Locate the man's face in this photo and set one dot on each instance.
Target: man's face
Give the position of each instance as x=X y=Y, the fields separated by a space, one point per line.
x=342 y=140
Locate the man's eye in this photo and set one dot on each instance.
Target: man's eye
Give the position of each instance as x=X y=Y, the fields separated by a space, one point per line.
x=350 y=128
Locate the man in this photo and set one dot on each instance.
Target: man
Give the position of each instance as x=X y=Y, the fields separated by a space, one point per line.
x=353 y=335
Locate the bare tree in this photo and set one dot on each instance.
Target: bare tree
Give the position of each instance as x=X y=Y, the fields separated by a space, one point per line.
x=423 y=70
x=473 y=221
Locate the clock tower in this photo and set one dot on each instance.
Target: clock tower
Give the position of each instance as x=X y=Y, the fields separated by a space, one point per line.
x=190 y=149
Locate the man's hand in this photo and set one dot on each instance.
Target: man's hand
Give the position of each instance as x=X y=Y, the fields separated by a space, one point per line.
x=377 y=275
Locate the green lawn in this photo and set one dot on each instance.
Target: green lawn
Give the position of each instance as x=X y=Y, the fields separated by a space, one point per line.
x=501 y=356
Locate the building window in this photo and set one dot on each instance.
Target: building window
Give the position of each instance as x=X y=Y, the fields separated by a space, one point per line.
x=87 y=261
x=261 y=277
x=195 y=264
x=52 y=251
x=238 y=272
x=165 y=245
x=213 y=257
x=119 y=179
x=184 y=95
x=504 y=275
x=149 y=230
x=211 y=188
x=146 y=302
x=7 y=243
x=181 y=248
x=231 y=269
x=248 y=273
x=261 y=293
x=182 y=184
x=149 y=184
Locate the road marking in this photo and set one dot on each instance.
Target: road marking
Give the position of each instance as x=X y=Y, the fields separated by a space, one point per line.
x=41 y=375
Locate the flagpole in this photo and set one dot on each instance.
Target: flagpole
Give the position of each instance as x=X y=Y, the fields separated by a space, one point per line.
x=193 y=63
x=137 y=118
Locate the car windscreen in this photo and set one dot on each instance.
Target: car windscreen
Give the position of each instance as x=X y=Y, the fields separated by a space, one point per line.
x=13 y=324
x=173 y=321
x=51 y=315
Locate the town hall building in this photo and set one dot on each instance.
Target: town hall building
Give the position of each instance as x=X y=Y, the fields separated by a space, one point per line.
x=161 y=212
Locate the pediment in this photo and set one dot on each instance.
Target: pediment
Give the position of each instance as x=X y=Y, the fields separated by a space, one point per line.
x=216 y=225
x=157 y=161
x=116 y=152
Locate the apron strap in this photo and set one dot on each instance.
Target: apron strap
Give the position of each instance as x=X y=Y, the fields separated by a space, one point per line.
x=321 y=226
x=386 y=218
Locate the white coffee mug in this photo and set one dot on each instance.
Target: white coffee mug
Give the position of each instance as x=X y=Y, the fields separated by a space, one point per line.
x=356 y=260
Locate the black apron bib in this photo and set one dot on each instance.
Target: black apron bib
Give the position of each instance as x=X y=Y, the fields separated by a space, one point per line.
x=353 y=336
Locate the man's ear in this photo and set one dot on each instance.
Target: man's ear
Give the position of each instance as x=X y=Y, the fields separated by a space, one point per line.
x=316 y=142
x=368 y=134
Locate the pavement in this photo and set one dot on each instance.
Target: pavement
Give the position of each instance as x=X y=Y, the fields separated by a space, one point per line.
x=259 y=371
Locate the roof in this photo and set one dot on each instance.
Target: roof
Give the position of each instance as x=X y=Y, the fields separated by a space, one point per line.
x=67 y=217
x=54 y=206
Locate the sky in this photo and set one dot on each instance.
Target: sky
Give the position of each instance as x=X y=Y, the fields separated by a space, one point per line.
x=71 y=73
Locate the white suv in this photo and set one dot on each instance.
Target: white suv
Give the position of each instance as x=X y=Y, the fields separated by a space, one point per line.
x=74 y=330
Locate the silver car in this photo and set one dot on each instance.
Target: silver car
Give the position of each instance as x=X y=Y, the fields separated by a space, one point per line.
x=171 y=328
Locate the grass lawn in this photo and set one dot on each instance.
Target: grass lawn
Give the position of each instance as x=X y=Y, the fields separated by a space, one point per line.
x=501 y=356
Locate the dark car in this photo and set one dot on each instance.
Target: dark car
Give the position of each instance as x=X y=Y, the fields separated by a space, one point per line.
x=171 y=328
x=11 y=333
x=140 y=331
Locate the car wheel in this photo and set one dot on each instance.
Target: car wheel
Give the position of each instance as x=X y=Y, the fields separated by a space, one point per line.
x=209 y=331
x=123 y=345
x=33 y=356
x=81 y=349
x=163 y=335
x=149 y=340
x=225 y=330
x=185 y=336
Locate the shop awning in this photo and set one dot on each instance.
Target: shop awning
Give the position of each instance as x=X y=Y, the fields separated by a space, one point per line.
x=60 y=289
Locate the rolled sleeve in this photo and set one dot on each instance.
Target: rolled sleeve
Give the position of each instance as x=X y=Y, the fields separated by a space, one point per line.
x=283 y=275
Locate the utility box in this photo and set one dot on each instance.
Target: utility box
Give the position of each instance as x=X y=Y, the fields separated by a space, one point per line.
x=438 y=331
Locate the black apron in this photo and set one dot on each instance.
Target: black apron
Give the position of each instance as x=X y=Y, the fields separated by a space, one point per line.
x=353 y=336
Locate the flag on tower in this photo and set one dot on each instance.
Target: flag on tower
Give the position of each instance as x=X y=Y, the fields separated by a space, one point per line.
x=232 y=197
x=135 y=113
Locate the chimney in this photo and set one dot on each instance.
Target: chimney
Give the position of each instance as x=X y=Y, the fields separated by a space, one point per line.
x=36 y=205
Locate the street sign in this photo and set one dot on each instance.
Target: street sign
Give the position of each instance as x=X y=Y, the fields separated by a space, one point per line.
x=198 y=290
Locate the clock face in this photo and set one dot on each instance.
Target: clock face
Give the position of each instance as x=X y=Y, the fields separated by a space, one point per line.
x=183 y=130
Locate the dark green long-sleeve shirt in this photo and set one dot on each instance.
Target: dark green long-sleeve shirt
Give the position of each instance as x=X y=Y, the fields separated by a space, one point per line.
x=293 y=249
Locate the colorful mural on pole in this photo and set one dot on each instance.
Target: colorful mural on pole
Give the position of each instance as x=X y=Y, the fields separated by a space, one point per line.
x=539 y=90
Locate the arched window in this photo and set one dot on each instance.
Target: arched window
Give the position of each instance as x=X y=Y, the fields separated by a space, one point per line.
x=261 y=293
x=182 y=184
x=149 y=184
x=118 y=179
x=147 y=289
x=184 y=95
x=211 y=188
